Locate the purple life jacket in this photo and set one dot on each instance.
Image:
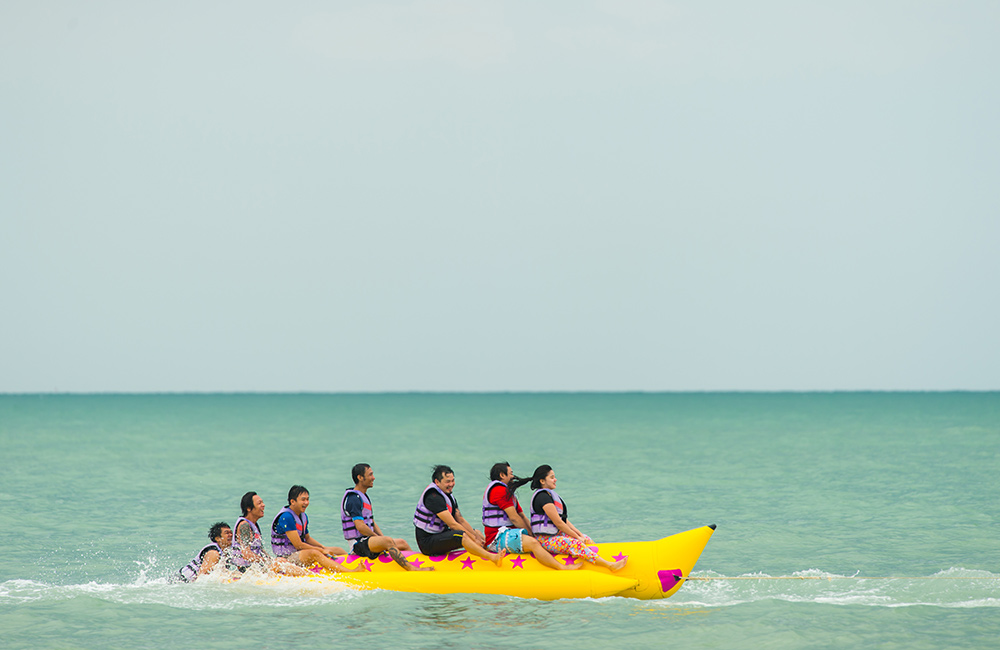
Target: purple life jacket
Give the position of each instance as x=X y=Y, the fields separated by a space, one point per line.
x=426 y=520
x=493 y=515
x=367 y=514
x=189 y=572
x=540 y=522
x=280 y=544
x=257 y=545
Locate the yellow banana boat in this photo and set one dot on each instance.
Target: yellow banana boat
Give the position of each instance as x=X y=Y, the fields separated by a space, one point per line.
x=654 y=570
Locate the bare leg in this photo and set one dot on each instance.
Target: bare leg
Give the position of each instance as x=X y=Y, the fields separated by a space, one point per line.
x=401 y=544
x=314 y=556
x=281 y=565
x=473 y=547
x=388 y=545
x=614 y=566
x=578 y=548
x=531 y=545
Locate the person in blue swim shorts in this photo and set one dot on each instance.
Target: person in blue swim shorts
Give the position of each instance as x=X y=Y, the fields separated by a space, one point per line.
x=503 y=519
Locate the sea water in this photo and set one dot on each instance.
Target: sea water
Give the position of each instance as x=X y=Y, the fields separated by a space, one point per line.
x=862 y=519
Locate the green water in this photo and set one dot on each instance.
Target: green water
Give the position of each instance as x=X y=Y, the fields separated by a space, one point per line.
x=104 y=496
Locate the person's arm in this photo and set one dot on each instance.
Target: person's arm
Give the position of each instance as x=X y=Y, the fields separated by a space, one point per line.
x=439 y=506
x=517 y=519
x=553 y=513
x=581 y=536
x=245 y=534
x=354 y=507
x=286 y=526
x=458 y=522
x=210 y=560
x=364 y=529
x=467 y=527
x=449 y=520
x=299 y=543
x=498 y=497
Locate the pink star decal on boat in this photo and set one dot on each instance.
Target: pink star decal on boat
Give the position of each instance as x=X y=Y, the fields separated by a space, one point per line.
x=569 y=559
x=517 y=562
x=593 y=548
x=368 y=565
x=620 y=557
x=467 y=563
x=416 y=563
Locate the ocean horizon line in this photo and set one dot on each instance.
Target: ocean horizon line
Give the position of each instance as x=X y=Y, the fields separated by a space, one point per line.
x=290 y=393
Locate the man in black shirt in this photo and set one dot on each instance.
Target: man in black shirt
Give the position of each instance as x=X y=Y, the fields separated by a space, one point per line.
x=439 y=524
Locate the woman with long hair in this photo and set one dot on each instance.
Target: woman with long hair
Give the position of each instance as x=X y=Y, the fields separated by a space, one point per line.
x=504 y=522
x=551 y=526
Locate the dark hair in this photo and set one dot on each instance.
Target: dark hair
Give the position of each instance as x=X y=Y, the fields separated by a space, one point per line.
x=246 y=503
x=440 y=471
x=540 y=472
x=359 y=470
x=498 y=469
x=295 y=491
x=216 y=529
x=515 y=481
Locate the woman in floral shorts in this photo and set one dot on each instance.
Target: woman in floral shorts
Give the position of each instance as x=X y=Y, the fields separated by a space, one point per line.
x=551 y=526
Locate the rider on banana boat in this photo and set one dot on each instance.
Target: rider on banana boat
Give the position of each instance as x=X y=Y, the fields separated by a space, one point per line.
x=504 y=522
x=439 y=524
x=221 y=537
x=357 y=517
x=290 y=538
x=551 y=526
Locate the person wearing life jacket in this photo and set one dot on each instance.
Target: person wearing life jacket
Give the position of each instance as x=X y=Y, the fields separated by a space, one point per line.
x=504 y=522
x=551 y=526
x=439 y=525
x=290 y=538
x=248 y=546
x=221 y=537
x=357 y=518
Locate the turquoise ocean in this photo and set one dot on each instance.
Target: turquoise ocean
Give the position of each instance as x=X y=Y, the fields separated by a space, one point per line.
x=891 y=499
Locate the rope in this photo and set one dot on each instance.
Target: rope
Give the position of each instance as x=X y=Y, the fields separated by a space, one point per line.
x=843 y=578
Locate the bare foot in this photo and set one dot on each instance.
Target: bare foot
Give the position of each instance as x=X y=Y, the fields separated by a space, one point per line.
x=571 y=567
x=344 y=569
x=498 y=558
x=620 y=564
x=401 y=561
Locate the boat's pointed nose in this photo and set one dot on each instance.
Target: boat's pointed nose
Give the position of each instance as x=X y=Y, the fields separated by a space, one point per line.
x=712 y=526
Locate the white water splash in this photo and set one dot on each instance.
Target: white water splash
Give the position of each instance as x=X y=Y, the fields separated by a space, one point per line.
x=212 y=591
x=955 y=587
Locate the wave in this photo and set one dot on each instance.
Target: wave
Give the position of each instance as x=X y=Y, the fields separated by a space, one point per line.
x=212 y=591
x=955 y=587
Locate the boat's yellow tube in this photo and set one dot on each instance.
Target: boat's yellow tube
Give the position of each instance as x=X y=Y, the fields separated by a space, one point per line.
x=654 y=570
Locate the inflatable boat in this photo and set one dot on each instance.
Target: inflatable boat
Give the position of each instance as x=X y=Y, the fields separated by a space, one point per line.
x=655 y=569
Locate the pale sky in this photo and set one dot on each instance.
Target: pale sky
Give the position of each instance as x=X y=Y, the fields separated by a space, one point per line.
x=478 y=196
